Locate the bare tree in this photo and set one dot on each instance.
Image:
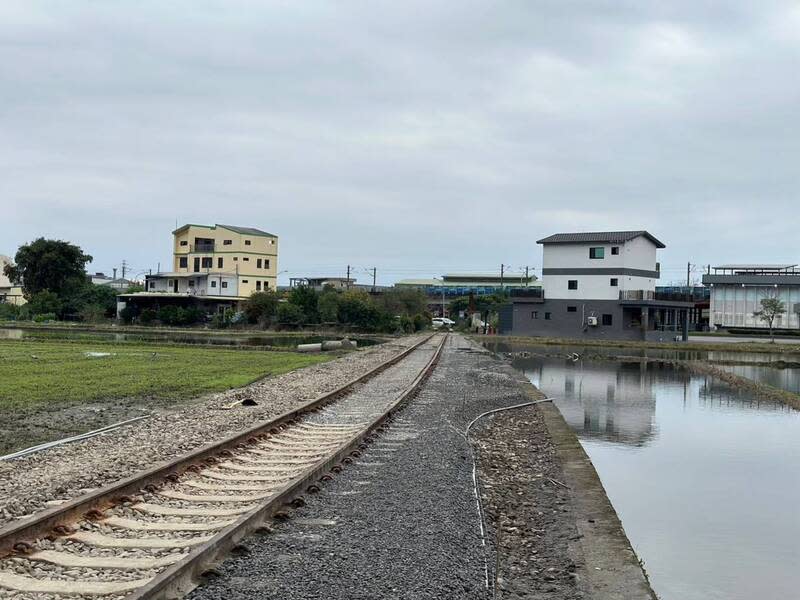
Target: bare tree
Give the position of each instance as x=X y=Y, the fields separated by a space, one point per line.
x=771 y=308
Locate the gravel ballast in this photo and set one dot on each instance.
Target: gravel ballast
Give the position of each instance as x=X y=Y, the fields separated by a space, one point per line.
x=402 y=521
x=40 y=480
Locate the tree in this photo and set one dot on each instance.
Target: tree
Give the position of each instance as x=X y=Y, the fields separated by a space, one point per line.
x=52 y=265
x=44 y=303
x=290 y=314
x=261 y=306
x=771 y=309
x=328 y=306
x=305 y=298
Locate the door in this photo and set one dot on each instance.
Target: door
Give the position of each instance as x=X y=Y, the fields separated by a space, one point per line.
x=175 y=286
x=197 y=264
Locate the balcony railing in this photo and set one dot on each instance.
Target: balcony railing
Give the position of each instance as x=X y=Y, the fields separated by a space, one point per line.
x=642 y=295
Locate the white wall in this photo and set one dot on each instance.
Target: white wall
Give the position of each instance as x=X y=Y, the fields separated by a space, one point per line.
x=638 y=253
x=734 y=305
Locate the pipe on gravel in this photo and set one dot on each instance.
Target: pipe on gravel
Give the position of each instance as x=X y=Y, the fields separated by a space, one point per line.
x=75 y=438
x=478 y=503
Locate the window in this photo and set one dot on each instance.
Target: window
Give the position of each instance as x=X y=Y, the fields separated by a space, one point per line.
x=597 y=252
x=152 y=285
x=572 y=284
x=224 y=284
x=213 y=283
x=266 y=263
x=246 y=259
x=207 y=262
x=614 y=250
x=266 y=284
x=608 y=320
x=235 y=258
x=247 y=242
x=614 y=282
x=258 y=286
x=227 y=242
x=534 y=314
x=547 y=316
x=258 y=263
x=184 y=243
x=183 y=262
x=219 y=262
x=572 y=309
x=191 y=283
x=245 y=281
x=272 y=242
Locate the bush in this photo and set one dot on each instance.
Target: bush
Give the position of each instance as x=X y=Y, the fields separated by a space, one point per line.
x=261 y=307
x=9 y=312
x=168 y=315
x=176 y=315
x=147 y=316
x=129 y=313
x=421 y=321
x=222 y=320
x=43 y=317
x=93 y=313
x=328 y=306
x=305 y=298
x=290 y=314
x=44 y=302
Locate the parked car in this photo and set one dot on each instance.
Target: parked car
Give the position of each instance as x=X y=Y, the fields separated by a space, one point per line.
x=438 y=322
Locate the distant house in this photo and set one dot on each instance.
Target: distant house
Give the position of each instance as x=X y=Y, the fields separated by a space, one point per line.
x=737 y=291
x=214 y=267
x=598 y=285
x=320 y=283
x=117 y=283
x=10 y=293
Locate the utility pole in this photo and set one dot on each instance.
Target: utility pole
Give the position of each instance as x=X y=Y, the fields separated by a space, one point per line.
x=374 y=277
x=347 y=281
x=688 y=276
x=115 y=272
x=502 y=272
x=526 y=276
x=124 y=268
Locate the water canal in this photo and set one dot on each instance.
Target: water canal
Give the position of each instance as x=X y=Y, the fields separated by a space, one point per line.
x=705 y=478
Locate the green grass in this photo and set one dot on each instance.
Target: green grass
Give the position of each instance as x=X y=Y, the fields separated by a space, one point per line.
x=60 y=371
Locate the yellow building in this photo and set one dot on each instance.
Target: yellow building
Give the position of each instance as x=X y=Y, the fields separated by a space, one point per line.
x=214 y=268
x=9 y=292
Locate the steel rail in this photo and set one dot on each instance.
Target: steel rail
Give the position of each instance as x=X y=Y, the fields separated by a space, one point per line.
x=180 y=578
x=49 y=521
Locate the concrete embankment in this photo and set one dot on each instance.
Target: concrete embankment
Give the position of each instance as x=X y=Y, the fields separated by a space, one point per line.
x=402 y=520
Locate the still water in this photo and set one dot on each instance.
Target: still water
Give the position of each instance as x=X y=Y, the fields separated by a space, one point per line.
x=177 y=337
x=705 y=479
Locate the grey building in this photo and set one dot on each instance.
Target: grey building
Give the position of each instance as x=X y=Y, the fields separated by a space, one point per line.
x=598 y=285
x=737 y=291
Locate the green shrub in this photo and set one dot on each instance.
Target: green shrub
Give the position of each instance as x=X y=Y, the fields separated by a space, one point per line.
x=421 y=321
x=43 y=317
x=147 y=316
x=9 y=312
x=305 y=298
x=93 y=313
x=44 y=302
x=129 y=313
x=290 y=314
x=261 y=307
x=328 y=306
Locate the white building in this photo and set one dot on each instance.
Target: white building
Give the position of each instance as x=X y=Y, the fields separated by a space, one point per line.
x=737 y=291
x=598 y=285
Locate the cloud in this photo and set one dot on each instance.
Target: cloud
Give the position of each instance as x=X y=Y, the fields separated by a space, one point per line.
x=418 y=137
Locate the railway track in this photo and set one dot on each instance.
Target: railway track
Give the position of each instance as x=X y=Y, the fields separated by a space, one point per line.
x=155 y=534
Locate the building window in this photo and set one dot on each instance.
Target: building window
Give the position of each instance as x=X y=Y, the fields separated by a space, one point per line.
x=534 y=314
x=547 y=316
x=572 y=284
x=597 y=252
x=247 y=242
x=227 y=242
x=152 y=285
x=614 y=282
x=272 y=242
x=266 y=263
x=235 y=258
x=258 y=286
x=224 y=284
x=608 y=320
x=191 y=283
x=207 y=262
x=183 y=262
x=213 y=283
x=245 y=281
x=266 y=284
x=614 y=250
x=184 y=243
x=258 y=263
x=219 y=262
x=245 y=259
x=572 y=309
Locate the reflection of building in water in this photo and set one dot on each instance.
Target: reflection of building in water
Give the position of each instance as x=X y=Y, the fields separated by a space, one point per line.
x=714 y=393
x=608 y=400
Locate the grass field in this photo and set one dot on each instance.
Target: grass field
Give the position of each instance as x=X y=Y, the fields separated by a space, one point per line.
x=34 y=372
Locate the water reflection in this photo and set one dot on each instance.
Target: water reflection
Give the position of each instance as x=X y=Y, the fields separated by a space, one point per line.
x=705 y=478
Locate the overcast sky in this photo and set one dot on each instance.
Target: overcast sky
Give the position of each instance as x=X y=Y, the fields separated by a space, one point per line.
x=415 y=137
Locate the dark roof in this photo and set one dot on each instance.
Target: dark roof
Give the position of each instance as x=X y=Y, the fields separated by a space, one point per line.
x=611 y=237
x=247 y=230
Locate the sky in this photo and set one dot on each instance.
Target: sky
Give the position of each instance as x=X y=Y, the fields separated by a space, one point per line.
x=414 y=137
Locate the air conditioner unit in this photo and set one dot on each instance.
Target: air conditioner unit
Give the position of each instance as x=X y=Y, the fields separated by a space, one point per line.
x=591 y=321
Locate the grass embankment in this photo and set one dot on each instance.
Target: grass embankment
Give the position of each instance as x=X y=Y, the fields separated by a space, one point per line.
x=761 y=347
x=34 y=372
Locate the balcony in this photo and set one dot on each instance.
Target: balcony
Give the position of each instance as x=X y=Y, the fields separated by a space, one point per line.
x=529 y=294
x=652 y=296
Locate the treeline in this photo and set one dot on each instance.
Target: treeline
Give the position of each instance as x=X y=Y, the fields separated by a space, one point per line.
x=52 y=274
x=392 y=310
